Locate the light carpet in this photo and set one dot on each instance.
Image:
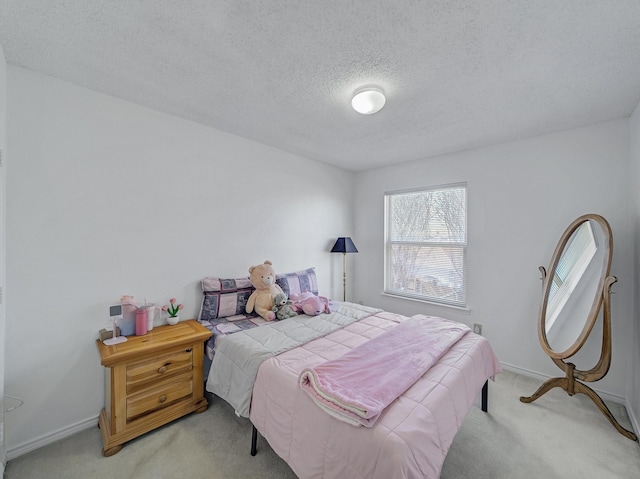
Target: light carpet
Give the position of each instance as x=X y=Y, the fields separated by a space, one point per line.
x=557 y=436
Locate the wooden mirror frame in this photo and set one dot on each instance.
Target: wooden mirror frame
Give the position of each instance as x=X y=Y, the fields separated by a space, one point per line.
x=571 y=381
x=592 y=316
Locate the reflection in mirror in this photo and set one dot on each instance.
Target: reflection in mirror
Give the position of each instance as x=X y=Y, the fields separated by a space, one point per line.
x=576 y=287
x=574 y=284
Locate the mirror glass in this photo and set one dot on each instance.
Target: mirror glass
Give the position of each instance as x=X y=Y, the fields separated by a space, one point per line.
x=574 y=286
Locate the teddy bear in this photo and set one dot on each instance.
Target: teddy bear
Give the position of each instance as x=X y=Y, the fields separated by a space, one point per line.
x=310 y=304
x=282 y=307
x=263 y=279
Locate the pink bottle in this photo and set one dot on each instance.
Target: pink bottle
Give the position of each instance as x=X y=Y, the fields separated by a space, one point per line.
x=141 y=322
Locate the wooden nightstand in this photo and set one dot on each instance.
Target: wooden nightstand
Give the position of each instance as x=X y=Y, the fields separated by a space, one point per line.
x=151 y=380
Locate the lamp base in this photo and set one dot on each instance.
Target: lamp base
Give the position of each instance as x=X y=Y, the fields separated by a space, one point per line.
x=117 y=340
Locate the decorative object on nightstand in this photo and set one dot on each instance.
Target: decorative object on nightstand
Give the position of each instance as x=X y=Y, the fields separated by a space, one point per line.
x=344 y=245
x=115 y=313
x=150 y=381
x=141 y=321
x=128 y=321
x=151 y=312
x=172 y=308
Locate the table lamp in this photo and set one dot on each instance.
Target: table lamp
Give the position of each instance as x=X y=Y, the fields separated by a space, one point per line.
x=344 y=245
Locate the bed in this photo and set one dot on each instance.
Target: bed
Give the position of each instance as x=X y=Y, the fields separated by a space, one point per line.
x=258 y=370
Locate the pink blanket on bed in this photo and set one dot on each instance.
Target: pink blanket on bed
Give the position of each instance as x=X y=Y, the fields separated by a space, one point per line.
x=358 y=386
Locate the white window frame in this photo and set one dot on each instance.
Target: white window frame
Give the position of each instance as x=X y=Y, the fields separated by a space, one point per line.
x=457 y=297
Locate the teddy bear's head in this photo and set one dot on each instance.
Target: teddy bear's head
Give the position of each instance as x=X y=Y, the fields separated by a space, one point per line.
x=262 y=276
x=280 y=299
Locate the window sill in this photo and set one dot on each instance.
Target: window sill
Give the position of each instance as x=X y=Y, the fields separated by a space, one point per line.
x=430 y=303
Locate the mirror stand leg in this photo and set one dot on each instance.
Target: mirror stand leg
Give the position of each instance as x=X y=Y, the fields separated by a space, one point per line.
x=587 y=391
x=548 y=385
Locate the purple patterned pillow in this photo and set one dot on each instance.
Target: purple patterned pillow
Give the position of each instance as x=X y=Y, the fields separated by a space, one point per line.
x=298 y=282
x=224 y=297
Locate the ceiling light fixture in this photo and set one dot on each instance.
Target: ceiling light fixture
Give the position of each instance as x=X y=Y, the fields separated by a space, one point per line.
x=368 y=100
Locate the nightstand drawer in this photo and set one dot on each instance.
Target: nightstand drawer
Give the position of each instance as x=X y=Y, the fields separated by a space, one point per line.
x=140 y=373
x=159 y=397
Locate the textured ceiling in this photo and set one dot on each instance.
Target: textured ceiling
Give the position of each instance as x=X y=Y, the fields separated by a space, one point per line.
x=458 y=74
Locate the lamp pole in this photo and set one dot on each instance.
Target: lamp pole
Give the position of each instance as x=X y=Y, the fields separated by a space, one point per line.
x=344 y=277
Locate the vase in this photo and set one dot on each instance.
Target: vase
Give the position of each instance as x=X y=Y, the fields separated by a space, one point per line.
x=173 y=320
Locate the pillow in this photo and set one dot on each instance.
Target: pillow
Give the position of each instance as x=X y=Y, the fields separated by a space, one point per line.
x=298 y=282
x=224 y=297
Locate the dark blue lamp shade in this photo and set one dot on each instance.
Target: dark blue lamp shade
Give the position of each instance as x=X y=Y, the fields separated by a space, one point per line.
x=344 y=245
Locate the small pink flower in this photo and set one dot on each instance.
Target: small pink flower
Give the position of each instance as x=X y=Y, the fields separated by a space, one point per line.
x=172 y=308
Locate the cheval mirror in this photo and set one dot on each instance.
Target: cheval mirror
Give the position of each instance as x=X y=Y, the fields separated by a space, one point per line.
x=575 y=288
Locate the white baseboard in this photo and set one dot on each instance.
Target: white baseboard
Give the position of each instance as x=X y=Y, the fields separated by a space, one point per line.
x=47 y=439
x=614 y=398
x=632 y=417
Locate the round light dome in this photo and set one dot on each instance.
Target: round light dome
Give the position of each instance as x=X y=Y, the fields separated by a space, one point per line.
x=368 y=100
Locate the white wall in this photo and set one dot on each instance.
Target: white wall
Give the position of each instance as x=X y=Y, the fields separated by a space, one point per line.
x=521 y=197
x=108 y=198
x=633 y=386
x=3 y=109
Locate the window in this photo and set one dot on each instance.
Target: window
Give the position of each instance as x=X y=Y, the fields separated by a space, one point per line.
x=426 y=244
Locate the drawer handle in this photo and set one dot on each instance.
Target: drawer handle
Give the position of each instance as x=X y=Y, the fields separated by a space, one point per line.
x=163 y=368
x=163 y=398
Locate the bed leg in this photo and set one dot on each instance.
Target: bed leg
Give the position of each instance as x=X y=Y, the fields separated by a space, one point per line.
x=254 y=441
x=485 y=395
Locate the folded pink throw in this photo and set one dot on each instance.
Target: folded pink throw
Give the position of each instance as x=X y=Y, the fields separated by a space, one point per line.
x=358 y=386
